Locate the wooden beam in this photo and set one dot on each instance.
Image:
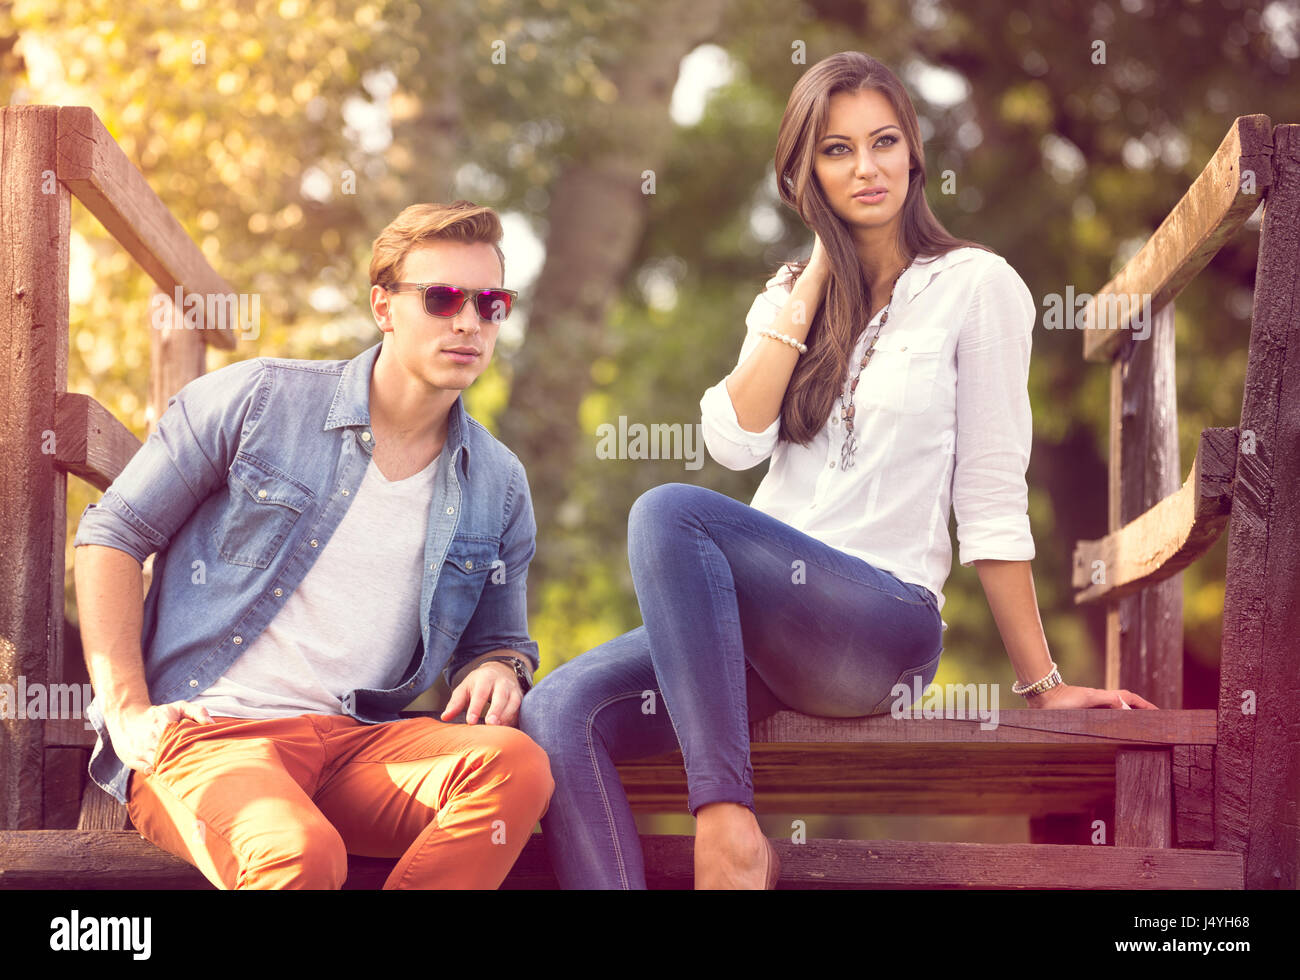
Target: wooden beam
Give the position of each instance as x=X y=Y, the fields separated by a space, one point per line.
x=1144 y=798
x=1218 y=202
x=35 y=223
x=124 y=859
x=1193 y=776
x=89 y=440
x=176 y=357
x=1170 y=535
x=1257 y=763
x=94 y=168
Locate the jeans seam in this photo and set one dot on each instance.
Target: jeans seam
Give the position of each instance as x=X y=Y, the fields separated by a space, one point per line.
x=588 y=727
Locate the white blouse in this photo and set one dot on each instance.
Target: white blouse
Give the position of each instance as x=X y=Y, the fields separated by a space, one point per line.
x=941 y=417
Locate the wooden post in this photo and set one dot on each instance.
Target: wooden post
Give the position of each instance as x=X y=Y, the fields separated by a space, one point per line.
x=1144 y=632
x=35 y=213
x=1257 y=759
x=178 y=356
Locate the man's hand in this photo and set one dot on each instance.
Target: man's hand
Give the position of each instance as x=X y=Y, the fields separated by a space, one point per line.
x=135 y=730
x=493 y=686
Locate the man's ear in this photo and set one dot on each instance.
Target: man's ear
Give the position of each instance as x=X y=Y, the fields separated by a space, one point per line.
x=381 y=309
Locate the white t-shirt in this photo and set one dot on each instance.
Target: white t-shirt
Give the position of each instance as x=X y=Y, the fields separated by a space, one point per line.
x=354 y=620
x=941 y=417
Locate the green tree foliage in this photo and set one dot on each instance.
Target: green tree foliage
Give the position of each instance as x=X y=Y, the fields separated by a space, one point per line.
x=283 y=134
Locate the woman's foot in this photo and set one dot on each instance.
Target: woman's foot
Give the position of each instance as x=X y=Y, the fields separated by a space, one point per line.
x=730 y=849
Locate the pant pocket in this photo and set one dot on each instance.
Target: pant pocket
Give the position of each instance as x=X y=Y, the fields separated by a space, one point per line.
x=907 y=678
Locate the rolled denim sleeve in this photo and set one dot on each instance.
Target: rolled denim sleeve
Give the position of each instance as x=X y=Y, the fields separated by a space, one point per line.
x=994 y=423
x=182 y=462
x=500 y=620
x=729 y=444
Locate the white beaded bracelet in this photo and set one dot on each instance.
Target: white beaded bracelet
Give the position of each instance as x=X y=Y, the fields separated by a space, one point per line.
x=785 y=339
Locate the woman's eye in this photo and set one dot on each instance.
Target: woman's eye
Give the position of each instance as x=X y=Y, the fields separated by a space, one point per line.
x=883 y=143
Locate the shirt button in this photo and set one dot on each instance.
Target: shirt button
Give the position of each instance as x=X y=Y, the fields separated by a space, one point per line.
x=451 y=510
x=262 y=494
x=279 y=592
x=469 y=564
x=314 y=542
x=194 y=683
x=832 y=464
x=346 y=492
x=237 y=640
x=365 y=437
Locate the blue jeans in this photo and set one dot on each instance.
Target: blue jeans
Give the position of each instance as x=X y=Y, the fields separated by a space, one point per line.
x=740 y=611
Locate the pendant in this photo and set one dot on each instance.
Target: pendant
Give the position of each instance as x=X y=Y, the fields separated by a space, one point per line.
x=847 y=452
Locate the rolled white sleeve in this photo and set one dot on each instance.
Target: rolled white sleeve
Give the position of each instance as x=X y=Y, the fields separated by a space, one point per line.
x=994 y=424
x=729 y=444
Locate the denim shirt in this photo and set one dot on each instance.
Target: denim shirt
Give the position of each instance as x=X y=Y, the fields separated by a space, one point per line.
x=238 y=489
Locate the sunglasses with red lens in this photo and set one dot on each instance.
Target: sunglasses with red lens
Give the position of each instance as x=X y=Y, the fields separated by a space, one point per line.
x=443 y=299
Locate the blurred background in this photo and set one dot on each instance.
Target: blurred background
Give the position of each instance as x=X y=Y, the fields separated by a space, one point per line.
x=628 y=148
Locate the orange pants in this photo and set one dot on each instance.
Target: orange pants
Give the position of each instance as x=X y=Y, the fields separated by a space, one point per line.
x=281 y=802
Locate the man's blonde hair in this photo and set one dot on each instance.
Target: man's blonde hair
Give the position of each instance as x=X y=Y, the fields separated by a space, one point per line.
x=460 y=221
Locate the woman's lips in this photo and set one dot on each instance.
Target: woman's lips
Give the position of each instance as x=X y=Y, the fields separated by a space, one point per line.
x=870 y=198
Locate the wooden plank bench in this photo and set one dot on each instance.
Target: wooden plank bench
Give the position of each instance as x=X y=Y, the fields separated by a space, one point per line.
x=1187 y=799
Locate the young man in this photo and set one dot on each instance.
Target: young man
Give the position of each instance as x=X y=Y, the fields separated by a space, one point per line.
x=330 y=535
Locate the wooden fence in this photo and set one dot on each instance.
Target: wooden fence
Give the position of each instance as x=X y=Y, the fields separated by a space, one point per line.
x=1185 y=798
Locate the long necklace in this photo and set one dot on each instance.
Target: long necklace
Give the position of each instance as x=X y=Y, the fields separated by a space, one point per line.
x=850 y=447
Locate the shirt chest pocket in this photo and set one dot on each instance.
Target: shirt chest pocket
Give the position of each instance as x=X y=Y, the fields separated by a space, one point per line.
x=472 y=565
x=262 y=507
x=903 y=369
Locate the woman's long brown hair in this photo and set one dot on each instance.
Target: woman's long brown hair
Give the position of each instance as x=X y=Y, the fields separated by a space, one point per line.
x=843 y=315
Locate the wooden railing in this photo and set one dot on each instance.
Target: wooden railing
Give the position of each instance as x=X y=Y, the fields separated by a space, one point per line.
x=1193 y=799
x=1250 y=473
x=50 y=155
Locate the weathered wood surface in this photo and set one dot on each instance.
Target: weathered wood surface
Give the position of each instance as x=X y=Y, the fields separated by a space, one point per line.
x=1170 y=535
x=177 y=357
x=92 y=443
x=123 y=859
x=1257 y=760
x=1144 y=632
x=94 y=168
x=1216 y=204
x=35 y=210
x=1143 y=798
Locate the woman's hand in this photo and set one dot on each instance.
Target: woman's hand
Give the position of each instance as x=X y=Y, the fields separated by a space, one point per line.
x=819 y=264
x=1071 y=696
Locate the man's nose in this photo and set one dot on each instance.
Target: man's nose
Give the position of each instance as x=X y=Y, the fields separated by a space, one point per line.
x=466 y=321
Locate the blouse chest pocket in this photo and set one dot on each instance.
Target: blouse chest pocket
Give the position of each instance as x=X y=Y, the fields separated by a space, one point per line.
x=901 y=373
x=263 y=506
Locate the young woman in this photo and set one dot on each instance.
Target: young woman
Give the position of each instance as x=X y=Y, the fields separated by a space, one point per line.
x=886 y=379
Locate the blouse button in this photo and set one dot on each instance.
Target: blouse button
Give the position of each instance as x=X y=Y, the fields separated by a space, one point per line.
x=261 y=494
x=237 y=640
x=314 y=542
x=193 y=683
x=279 y=592
x=365 y=437
x=346 y=492
x=832 y=464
